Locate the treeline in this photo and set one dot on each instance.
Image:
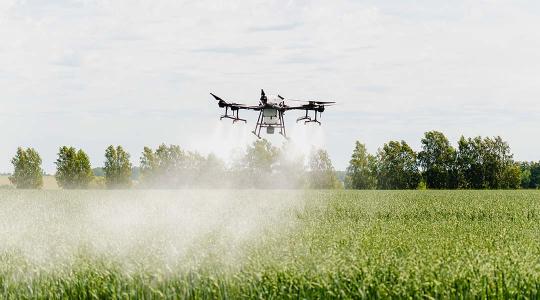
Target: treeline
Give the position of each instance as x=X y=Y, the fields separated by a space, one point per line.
x=261 y=165
x=476 y=163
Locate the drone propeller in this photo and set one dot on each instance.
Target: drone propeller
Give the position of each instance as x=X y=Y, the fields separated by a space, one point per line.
x=314 y=102
x=216 y=97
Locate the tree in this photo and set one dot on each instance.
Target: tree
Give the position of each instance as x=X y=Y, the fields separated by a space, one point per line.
x=397 y=167
x=256 y=166
x=28 y=173
x=511 y=177
x=525 y=175
x=322 y=174
x=117 y=168
x=164 y=167
x=437 y=161
x=486 y=163
x=73 y=170
x=361 y=172
x=530 y=175
x=469 y=163
x=498 y=164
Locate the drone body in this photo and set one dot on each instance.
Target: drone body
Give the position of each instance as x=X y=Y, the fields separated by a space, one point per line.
x=271 y=110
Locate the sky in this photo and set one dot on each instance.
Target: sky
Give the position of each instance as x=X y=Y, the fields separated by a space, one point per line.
x=90 y=73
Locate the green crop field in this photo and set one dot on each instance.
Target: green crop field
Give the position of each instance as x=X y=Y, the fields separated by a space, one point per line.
x=269 y=244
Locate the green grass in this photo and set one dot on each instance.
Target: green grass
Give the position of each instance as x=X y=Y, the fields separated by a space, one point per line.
x=320 y=244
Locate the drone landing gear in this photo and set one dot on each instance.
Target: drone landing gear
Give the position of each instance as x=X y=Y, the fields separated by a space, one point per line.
x=304 y=118
x=280 y=124
x=233 y=117
x=308 y=119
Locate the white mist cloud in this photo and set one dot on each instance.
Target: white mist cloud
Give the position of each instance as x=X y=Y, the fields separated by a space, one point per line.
x=178 y=230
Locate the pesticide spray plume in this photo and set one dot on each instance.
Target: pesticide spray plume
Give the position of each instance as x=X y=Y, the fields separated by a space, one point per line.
x=166 y=231
x=231 y=143
x=141 y=229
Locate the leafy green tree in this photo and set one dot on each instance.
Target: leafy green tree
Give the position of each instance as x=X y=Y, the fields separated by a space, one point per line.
x=28 y=173
x=470 y=165
x=322 y=174
x=525 y=175
x=535 y=175
x=255 y=167
x=362 y=169
x=530 y=175
x=397 y=167
x=511 y=177
x=164 y=167
x=486 y=163
x=73 y=170
x=437 y=161
x=117 y=168
x=498 y=164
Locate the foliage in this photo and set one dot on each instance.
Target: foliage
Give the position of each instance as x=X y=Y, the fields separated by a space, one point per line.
x=256 y=167
x=172 y=167
x=322 y=174
x=362 y=169
x=478 y=163
x=117 y=168
x=28 y=173
x=437 y=161
x=397 y=167
x=486 y=163
x=73 y=170
x=344 y=244
x=530 y=175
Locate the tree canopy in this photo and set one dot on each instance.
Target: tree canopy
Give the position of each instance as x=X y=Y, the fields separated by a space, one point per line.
x=117 y=168
x=397 y=167
x=322 y=174
x=73 y=170
x=362 y=170
x=28 y=173
x=437 y=161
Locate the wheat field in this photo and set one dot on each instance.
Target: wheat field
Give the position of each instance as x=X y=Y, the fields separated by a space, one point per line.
x=269 y=244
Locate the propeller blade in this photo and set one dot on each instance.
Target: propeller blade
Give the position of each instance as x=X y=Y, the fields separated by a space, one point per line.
x=262 y=93
x=216 y=97
x=313 y=101
x=280 y=97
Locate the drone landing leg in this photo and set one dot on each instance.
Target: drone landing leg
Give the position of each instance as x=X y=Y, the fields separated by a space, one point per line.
x=236 y=119
x=304 y=118
x=226 y=115
x=282 y=121
x=257 y=126
x=313 y=121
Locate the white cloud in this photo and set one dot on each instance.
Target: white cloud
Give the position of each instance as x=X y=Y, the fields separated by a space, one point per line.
x=91 y=73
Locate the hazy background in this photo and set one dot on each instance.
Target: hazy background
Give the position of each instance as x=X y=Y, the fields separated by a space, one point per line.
x=93 y=73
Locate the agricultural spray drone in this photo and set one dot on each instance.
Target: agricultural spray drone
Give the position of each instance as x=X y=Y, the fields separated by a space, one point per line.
x=271 y=110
